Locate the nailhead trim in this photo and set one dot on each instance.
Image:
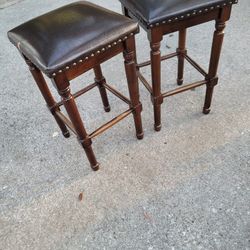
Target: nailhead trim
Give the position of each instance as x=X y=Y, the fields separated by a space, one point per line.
x=93 y=54
x=193 y=13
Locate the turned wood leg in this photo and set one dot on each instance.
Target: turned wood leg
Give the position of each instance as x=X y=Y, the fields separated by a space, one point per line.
x=130 y=67
x=63 y=88
x=100 y=80
x=214 y=62
x=157 y=98
x=181 y=50
x=51 y=103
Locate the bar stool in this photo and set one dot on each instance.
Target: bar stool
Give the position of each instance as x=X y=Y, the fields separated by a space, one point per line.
x=161 y=17
x=69 y=41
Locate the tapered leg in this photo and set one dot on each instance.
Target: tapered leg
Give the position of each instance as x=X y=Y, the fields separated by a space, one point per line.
x=214 y=62
x=43 y=87
x=157 y=98
x=130 y=67
x=63 y=88
x=181 y=50
x=100 y=80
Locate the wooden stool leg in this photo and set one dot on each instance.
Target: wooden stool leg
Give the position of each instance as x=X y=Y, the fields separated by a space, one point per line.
x=100 y=80
x=214 y=62
x=43 y=87
x=157 y=98
x=63 y=88
x=181 y=50
x=130 y=67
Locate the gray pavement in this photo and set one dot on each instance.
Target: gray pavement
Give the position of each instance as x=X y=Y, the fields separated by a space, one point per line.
x=186 y=187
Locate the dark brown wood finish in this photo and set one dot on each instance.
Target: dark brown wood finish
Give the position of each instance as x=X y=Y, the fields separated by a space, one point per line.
x=130 y=67
x=215 y=56
x=181 y=51
x=100 y=81
x=61 y=81
x=51 y=103
x=155 y=34
x=63 y=87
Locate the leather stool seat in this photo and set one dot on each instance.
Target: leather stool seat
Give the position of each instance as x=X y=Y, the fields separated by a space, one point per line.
x=66 y=35
x=153 y=12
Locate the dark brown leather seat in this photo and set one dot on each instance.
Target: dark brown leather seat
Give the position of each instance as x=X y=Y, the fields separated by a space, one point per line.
x=59 y=38
x=151 y=12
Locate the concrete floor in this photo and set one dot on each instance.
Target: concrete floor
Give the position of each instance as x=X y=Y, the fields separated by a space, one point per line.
x=186 y=187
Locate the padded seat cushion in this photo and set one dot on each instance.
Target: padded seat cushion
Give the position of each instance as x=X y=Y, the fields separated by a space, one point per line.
x=151 y=12
x=61 y=37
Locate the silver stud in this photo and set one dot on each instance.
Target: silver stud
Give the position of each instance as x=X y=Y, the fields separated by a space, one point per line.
x=206 y=9
x=131 y=34
x=114 y=43
x=109 y=46
x=74 y=64
x=80 y=61
x=182 y=17
x=200 y=11
x=218 y=6
x=67 y=67
x=92 y=55
x=163 y=22
x=60 y=71
x=188 y=14
x=224 y=4
x=169 y=21
x=125 y=37
x=151 y=26
x=157 y=24
x=176 y=18
x=212 y=8
x=86 y=58
x=54 y=74
x=103 y=49
x=98 y=52
x=119 y=40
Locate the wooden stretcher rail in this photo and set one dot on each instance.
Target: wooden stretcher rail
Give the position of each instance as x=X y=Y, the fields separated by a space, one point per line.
x=184 y=88
x=145 y=82
x=196 y=65
x=117 y=93
x=144 y=64
x=80 y=92
x=66 y=121
x=110 y=123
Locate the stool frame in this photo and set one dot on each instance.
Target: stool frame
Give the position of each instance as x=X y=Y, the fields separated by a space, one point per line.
x=221 y=14
x=61 y=80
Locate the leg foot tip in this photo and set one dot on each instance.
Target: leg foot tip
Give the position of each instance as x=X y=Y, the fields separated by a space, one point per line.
x=66 y=134
x=95 y=167
x=179 y=82
x=206 y=111
x=157 y=127
x=107 y=109
x=140 y=136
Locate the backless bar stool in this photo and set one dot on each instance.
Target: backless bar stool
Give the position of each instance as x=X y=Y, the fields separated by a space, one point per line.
x=69 y=41
x=161 y=17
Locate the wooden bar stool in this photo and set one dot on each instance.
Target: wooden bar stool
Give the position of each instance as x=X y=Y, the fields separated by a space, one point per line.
x=69 y=41
x=161 y=17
